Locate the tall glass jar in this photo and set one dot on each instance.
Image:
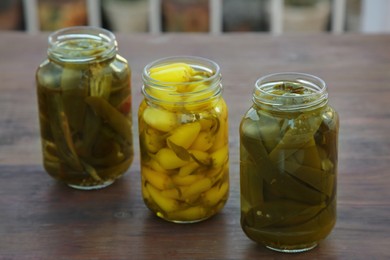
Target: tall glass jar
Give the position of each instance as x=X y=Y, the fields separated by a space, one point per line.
x=183 y=134
x=84 y=100
x=288 y=163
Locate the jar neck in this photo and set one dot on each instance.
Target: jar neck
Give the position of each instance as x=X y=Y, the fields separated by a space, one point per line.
x=197 y=91
x=82 y=44
x=290 y=92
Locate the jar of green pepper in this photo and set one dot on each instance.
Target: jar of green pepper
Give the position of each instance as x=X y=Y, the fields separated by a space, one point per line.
x=288 y=163
x=84 y=100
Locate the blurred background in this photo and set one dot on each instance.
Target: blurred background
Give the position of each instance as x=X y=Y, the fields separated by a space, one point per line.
x=220 y=16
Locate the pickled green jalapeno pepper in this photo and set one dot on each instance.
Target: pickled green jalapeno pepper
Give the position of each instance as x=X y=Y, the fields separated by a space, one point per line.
x=84 y=101
x=183 y=134
x=288 y=163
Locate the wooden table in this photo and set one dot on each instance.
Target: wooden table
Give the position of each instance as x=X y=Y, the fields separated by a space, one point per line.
x=43 y=219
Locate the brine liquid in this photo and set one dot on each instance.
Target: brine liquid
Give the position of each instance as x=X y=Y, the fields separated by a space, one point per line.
x=85 y=119
x=288 y=173
x=184 y=162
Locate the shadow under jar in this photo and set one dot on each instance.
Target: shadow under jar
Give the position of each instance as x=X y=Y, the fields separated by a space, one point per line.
x=84 y=100
x=288 y=163
x=183 y=133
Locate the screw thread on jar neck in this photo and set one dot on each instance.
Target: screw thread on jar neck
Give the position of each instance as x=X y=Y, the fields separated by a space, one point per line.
x=289 y=92
x=82 y=44
x=180 y=93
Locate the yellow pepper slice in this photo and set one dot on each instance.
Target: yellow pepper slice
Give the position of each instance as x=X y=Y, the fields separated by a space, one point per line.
x=166 y=204
x=203 y=142
x=160 y=119
x=220 y=157
x=216 y=194
x=159 y=180
x=196 y=212
x=169 y=160
x=185 y=135
x=174 y=72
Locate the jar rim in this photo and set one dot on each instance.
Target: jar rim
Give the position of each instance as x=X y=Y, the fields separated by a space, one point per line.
x=317 y=97
x=172 y=96
x=81 y=53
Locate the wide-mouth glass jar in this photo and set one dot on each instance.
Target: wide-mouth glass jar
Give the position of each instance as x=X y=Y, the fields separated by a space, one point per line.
x=183 y=134
x=84 y=100
x=288 y=163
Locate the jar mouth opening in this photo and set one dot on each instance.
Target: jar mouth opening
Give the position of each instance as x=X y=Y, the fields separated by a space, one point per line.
x=197 y=63
x=289 y=91
x=82 y=44
x=202 y=89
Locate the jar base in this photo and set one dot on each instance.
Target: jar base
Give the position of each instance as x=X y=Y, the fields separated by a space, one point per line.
x=160 y=215
x=92 y=187
x=293 y=249
x=187 y=221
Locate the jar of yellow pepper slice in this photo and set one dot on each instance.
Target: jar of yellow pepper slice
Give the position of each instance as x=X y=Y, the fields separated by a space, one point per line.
x=84 y=99
x=183 y=134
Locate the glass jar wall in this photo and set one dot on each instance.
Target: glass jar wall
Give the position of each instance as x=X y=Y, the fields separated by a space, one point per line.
x=84 y=99
x=288 y=163
x=183 y=133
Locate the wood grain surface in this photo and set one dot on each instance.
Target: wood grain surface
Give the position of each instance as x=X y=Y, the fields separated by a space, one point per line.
x=43 y=219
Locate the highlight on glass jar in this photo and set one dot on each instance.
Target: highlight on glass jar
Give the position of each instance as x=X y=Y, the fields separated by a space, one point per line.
x=183 y=133
x=84 y=100
x=288 y=163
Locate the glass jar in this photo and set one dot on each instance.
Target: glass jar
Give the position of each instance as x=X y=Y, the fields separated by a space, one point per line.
x=84 y=101
x=288 y=163
x=183 y=134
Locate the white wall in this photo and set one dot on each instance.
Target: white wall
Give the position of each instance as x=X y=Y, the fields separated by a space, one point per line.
x=375 y=17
